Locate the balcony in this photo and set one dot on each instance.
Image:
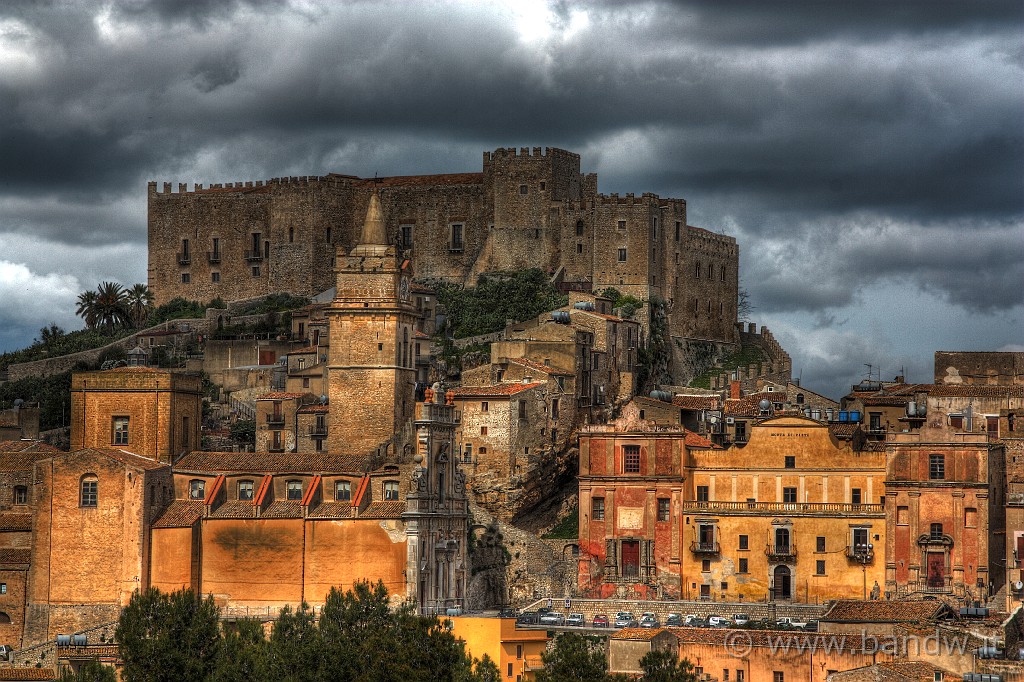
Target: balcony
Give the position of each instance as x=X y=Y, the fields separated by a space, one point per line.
x=785 y=554
x=864 y=554
x=254 y=256
x=705 y=548
x=184 y=258
x=213 y=257
x=318 y=431
x=275 y=420
x=787 y=508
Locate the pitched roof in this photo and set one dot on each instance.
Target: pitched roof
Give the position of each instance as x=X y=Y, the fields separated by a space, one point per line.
x=235 y=509
x=282 y=509
x=15 y=556
x=280 y=395
x=27 y=674
x=747 y=406
x=640 y=634
x=180 y=514
x=694 y=440
x=384 y=509
x=33 y=446
x=540 y=367
x=976 y=391
x=332 y=510
x=914 y=670
x=697 y=402
x=15 y=521
x=855 y=611
x=272 y=462
x=496 y=391
x=123 y=456
x=843 y=430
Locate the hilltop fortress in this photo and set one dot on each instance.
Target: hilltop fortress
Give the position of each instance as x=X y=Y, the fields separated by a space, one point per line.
x=523 y=209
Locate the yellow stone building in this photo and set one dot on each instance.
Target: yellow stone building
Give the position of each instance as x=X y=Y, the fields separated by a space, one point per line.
x=516 y=652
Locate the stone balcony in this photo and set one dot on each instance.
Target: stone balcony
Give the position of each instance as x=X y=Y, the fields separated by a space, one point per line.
x=786 y=508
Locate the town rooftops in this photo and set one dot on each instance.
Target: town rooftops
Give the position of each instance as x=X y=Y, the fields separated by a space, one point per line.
x=14 y=521
x=281 y=395
x=271 y=462
x=697 y=402
x=640 y=634
x=856 y=611
x=797 y=641
x=180 y=514
x=747 y=406
x=15 y=556
x=494 y=391
x=27 y=674
x=123 y=456
x=540 y=367
x=895 y=671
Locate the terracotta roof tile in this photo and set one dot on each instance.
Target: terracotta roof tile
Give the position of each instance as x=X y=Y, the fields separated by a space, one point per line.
x=422 y=335
x=976 y=391
x=843 y=430
x=180 y=514
x=694 y=440
x=234 y=509
x=32 y=446
x=15 y=556
x=697 y=402
x=303 y=351
x=853 y=611
x=384 y=509
x=499 y=390
x=27 y=674
x=611 y=318
x=272 y=462
x=916 y=670
x=123 y=456
x=798 y=641
x=280 y=395
x=314 y=409
x=640 y=634
x=540 y=367
x=887 y=400
x=747 y=406
x=282 y=509
x=332 y=510
x=15 y=521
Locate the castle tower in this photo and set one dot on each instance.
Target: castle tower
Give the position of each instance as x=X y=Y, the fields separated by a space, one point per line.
x=371 y=374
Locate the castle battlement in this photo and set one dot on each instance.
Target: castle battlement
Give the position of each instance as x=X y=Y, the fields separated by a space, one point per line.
x=527 y=152
x=299 y=180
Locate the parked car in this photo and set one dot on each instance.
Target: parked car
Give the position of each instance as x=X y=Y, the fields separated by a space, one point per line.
x=649 y=620
x=812 y=626
x=600 y=621
x=575 y=620
x=674 y=620
x=528 y=618
x=689 y=618
x=787 y=623
x=698 y=623
x=5 y=652
x=719 y=621
x=625 y=620
x=507 y=612
x=741 y=619
x=544 y=609
x=552 y=618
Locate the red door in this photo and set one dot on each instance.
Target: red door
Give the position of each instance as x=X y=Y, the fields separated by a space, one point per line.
x=936 y=569
x=268 y=357
x=630 y=558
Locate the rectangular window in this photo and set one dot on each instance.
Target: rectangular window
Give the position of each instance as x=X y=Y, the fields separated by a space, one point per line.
x=678 y=225
x=524 y=189
x=789 y=495
x=778 y=676
x=819 y=545
x=294 y=490
x=819 y=567
x=622 y=225
x=215 y=277
x=186 y=278
x=790 y=462
x=390 y=490
x=702 y=494
x=937 y=467
x=741 y=432
x=89 y=492
x=406 y=236
x=859 y=539
x=455 y=241
x=622 y=255
x=342 y=491
x=631 y=459
x=663 y=508
x=555 y=411
x=744 y=542
x=855 y=496
x=522 y=409
x=215 y=254
x=245 y=490
x=956 y=421
x=743 y=566
x=120 y=431
x=740 y=675
x=20 y=494
x=696 y=271
x=3 y=588
x=255 y=271
x=483 y=430
x=597 y=509
x=484 y=406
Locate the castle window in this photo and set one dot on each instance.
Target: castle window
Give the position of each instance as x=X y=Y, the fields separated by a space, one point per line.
x=20 y=494
x=266 y=250
x=342 y=491
x=711 y=270
x=255 y=271
x=579 y=247
x=390 y=490
x=799 y=398
x=536 y=234
x=484 y=406
x=937 y=467
x=291 y=234
x=89 y=488
x=215 y=277
x=721 y=273
x=622 y=255
x=597 y=509
x=406 y=236
x=4 y=618
x=622 y=224
x=542 y=186
x=663 y=508
x=184 y=258
x=524 y=189
x=294 y=489
x=215 y=254
x=483 y=430
x=631 y=459
x=455 y=237
x=327 y=236
x=696 y=271
x=245 y=490
x=579 y=228
x=196 y=489
x=186 y=278
x=678 y=225
x=120 y=425
x=522 y=409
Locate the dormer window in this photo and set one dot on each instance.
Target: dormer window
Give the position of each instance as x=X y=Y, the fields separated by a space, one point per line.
x=197 y=489
x=294 y=490
x=245 y=490
x=342 y=491
x=390 y=490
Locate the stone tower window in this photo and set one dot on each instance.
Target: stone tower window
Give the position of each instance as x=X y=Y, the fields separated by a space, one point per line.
x=20 y=494
x=622 y=225
x=524 y=189
x=89 y=488
x=579 y=228
x=622 y=255
x=696 y=271
x=120 y=426
x=455 y=241
x=186 y=278
x=291 y=234
x=677 y=230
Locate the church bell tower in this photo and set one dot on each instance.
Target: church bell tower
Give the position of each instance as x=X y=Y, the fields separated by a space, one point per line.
x=371 y=374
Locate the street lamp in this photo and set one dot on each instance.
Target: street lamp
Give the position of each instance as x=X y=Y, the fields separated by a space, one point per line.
x=864 y=554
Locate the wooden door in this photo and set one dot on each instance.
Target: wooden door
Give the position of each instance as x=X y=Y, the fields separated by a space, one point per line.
x=630 y=558
x=936 y=569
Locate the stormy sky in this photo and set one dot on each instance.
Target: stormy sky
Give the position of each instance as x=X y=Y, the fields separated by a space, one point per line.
x=868 y=156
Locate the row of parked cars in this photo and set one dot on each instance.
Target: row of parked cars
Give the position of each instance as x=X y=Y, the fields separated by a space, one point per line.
x=626 y=619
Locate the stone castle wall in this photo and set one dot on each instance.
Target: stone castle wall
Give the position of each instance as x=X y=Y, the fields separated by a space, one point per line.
x=526 y=208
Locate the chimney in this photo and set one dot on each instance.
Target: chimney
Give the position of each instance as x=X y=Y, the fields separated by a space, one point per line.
x=734 y=390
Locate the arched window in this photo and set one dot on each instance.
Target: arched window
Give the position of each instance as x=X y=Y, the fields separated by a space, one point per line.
x=4 y=618
x=342 y=491
x=390 y=490
x=799 y=398
x=89 y=490
x=197 y=489
x=20 y=494
x=294 y=490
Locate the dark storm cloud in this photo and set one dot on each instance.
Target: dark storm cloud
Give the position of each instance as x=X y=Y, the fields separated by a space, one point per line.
x=842 y=143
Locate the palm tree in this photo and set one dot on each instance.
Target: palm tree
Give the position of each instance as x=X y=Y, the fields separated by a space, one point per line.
x=111 y=309
x=139 y=300
x=87 y=308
